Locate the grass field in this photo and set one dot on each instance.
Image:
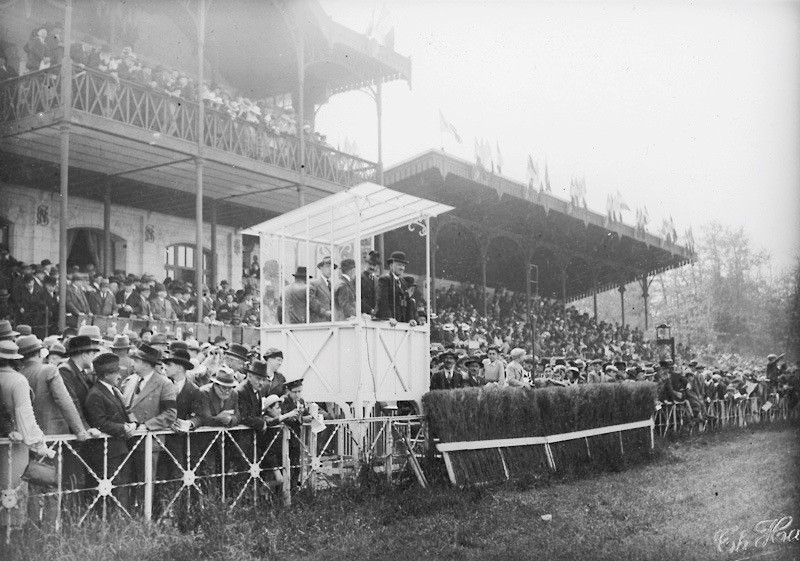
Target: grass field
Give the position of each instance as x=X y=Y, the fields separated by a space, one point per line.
x=668 y=509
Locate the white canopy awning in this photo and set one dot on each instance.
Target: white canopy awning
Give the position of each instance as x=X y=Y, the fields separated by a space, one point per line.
x=365 y=210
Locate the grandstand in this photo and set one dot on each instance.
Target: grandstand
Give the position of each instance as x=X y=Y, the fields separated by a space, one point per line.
x=147 y=176
x=499 y=228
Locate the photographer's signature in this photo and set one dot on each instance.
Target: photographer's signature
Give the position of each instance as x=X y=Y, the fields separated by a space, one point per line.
x=766 y=536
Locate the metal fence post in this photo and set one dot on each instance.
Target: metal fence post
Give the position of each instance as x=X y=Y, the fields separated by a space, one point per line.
x=313 y=461
x=287 y=468
x=148 y=476
x=389 y=449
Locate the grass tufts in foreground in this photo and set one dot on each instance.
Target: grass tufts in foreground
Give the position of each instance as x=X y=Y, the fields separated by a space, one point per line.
x=668 y=509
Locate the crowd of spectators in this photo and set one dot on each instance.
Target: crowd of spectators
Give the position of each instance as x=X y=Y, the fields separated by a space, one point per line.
x=560 y=330
x=29 y=295
x=45 y=48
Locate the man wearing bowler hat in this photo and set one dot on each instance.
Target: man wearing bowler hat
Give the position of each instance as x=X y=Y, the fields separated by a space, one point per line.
x=346 y=291
x=319 y=292
x=393 y=292
x=295 y=311
x=151 y=401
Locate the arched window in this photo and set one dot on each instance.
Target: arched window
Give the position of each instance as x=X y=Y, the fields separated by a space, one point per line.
x=179 y=262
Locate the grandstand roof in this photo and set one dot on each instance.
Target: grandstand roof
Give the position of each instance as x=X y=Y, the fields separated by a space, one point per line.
x=332 y=220
x=337 y=58
x=575 y=249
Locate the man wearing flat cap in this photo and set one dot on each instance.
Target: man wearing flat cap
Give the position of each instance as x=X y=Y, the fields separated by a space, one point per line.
x=346 y=292
x=393 y=292
x=319 y=292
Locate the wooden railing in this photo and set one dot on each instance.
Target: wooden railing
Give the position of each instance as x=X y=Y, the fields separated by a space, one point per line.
x=143 y=107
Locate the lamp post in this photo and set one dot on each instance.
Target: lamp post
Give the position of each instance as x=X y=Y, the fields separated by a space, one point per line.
x=664 y=337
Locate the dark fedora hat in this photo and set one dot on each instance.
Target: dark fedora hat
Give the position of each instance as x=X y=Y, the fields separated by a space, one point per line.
x=258 y=367
x=5 y=330
x=398 y=256
x=148 y=354
x=179 y=356
x=105 y=363
x=348 y=264
x=237 y=350
x=301 y=272
x=374 y=258
x=175 y=345
x=81 y=344
x=410 y=281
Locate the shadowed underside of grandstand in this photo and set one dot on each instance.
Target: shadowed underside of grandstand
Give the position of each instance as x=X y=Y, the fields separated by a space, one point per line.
x=496 y=235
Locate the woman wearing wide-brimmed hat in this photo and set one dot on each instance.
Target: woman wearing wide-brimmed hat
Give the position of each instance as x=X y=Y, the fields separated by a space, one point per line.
x=15 y=398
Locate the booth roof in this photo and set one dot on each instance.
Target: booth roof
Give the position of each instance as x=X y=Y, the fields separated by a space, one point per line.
x=365 y=210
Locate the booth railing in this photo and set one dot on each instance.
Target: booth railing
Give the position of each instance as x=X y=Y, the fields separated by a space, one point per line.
x=232 y=465
x=98 y=93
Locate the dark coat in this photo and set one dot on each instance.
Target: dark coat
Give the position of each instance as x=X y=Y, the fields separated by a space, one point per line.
x=250 y=407
x=107 y=413
x=211 y=407
x=78 y=386
x=392 y=298
x=102 y=305
x=345 y=295
x=459 y=379
x=369 y=293
x=188 y=401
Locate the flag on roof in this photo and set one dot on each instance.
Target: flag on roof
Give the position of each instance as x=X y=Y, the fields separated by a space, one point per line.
x=381 y=28
x=531 y=177
x=621 y=203
x=499 y=157
x=547 y=187
x=447 y=127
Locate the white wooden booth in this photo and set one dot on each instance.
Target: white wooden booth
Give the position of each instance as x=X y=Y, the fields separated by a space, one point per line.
x=357 y=361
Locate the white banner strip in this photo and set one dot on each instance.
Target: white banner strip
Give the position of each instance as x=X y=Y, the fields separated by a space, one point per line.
x=539 y=440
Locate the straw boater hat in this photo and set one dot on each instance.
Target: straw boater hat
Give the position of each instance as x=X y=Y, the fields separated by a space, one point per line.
x=9 y=350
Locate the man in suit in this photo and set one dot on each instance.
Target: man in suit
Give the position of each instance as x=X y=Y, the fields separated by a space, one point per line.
x=102 y=301
x=188 y=398
x=106 y=411
x=346 y=292
x=449 y=377
x=319 y=293
x=125 y=297
x=78 y=379
x=249 y=393
x=160 y=307
x=30 y=304
x=219 y=407
x=295 y=311
x=369 y=299
x=293 y=400
x=274 y=381
x=140 y=306
x=393 y=292
x=77 y=303
x=151 y=400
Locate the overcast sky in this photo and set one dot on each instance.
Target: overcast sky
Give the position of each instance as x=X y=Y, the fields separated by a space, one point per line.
x=692 y=109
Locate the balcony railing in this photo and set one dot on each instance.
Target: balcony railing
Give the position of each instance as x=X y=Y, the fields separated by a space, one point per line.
x=143 y=107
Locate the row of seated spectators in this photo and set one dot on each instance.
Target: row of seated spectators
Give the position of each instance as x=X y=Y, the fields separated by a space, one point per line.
x=29 y=295
x=559 y=331
x=45 y=48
